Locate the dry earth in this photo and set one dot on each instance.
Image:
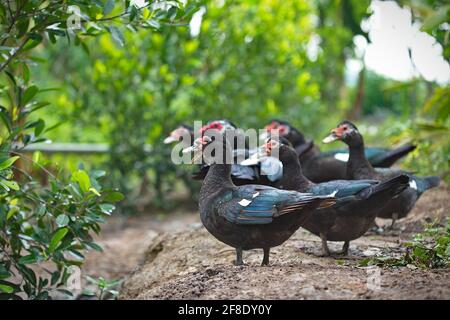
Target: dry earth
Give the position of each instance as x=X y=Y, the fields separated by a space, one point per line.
x=176 y=258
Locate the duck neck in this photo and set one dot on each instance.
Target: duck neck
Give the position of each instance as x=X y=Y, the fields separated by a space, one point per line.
x=358 y=167
x=295 y=137
x=293 y=177
x=217 y=178
x=309 y=154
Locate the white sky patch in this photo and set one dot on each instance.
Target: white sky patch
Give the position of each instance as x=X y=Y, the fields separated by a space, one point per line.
x=196 y=22
x=313 y=47
x=392 y=34
x=138 y=3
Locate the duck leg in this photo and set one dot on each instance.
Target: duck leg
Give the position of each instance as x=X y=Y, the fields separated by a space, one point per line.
x=265 y=261
x=239 y=261
x=394 y=218
x=325 y=250
x=345 y=247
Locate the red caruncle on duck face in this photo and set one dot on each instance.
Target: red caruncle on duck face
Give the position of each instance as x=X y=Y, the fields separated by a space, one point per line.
x=217 y=125
x=281 y=128
x=341 y=130
x=269 y=146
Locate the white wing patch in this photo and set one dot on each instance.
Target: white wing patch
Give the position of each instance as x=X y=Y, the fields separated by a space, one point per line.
x=341 y=157
x=333 y=193
x=255 y=195
x=244 y=202
x=413 y=184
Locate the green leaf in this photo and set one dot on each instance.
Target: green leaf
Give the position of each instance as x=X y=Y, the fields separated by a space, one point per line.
x=94 y=246
x=39 y=127
x=4 y=273
x=108 y=7
x=10 y=184
x=8 y=163
x=56 y=239
x=41 y=210
x=83 y=180
x=114 y=196
x=117 y=35
x=29 y=93
x=5 y=288
x=12 y=212
x=94 y=191
x=4 y=116
x=434 y=20
x=26 y=72
x=62 y=220
x=107 y=208
x=29 y=259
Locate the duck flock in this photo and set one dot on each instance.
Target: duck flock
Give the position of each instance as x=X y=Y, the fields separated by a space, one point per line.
x=335 y=195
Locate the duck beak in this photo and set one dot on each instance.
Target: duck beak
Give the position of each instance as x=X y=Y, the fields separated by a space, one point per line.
x=252 y=160
x=332 y=137
x=197 y=153
x=255 y=158
x=189 y=149
x=264 y=135
x=170 y=139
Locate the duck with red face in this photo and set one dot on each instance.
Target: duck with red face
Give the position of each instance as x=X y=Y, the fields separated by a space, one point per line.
x=240 y=174
x=219 y=125
x=358 y=201
x=182 y=133
x=250 y=216
x=358 y=167
x=325 y=166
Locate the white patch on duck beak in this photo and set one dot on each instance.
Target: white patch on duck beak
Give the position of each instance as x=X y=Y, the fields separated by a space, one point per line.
x=188 y=149
x=413 y=184
x=264 y=135
x=342 y=157
x=332 y=137
x=170 y=139
x=197 y=154
x=254 y=159
x=244 y=202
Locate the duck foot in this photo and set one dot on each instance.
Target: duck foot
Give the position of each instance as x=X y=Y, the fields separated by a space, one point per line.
x=394 y=218
x=265 y=261
x=239 y=261
x=344 y=250
x=376 y=228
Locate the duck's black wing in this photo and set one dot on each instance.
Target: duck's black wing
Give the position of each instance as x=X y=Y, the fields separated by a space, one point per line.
x=256 y=204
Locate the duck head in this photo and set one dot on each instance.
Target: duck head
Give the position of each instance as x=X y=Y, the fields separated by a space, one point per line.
x=347 y=132
x=284 y=130
x=212 y=147
x=219 y=125
x=181 y=133
x=280 y=148
x=271 y=148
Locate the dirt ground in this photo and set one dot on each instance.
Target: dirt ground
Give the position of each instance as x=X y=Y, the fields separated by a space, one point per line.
x=176 y=258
